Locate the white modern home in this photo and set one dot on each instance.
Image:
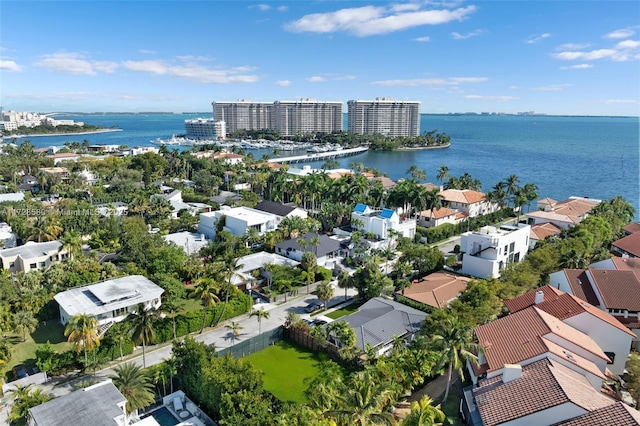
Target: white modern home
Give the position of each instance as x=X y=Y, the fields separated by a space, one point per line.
x=489 y=250
x=177 y=204
x=109 y=301
x=32 y=256
x=237 y=221
x=190 y=242
x=328 y=251
x=281 y=210
x=381 y=222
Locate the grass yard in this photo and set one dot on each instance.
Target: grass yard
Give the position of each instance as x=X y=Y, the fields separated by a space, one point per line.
x=347 y=310
x=287 y=368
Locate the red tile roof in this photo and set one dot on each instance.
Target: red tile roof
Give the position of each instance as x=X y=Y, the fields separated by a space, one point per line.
x=616 y=414
x=543 y=230
x=629 y=244
x=618 y=289
x=439 y=213
x=632 y=228
x=543 y=385
x=465 y=196
x=581 y=286
x=528 y=299
x=437 y=289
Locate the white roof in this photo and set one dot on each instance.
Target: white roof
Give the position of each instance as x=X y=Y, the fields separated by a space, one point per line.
x=106 y=296
x=32 y=250
x=250 y=216
x=255 y=261
x=12 y=196
x=190 y=242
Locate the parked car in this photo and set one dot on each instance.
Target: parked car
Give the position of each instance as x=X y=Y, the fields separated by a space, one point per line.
x=312 y=307
x=20 y=371
x=319 y=322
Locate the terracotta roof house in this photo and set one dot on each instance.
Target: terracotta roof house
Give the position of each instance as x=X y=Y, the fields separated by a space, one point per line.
x=429 y=218
x=620 y=264
x=562 y=213
x=632 y=228
x=437 y=289
x=628 y=246
x=531 y=334
x=379 y=320
x=614 y=291
x=616 y=414
x=541 y=231
x=539 y=393
x=610 y=334
x=473 y=203
x=99 y=405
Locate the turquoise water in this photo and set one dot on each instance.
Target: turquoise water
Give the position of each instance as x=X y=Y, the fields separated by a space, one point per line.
x=564 y=156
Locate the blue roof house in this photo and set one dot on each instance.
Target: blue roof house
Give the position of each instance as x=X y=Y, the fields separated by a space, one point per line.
x=381 y=221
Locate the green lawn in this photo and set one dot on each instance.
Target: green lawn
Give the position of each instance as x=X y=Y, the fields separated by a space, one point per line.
x=347 y=310
x=287 y=369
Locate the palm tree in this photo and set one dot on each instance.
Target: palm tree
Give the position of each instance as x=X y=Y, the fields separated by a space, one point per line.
x=134 y=385
x=325 y=292
x=25 y=398
x=433 y=201
x=142 y=328
x=82 y=332
x=417 y=173
x=443 y=173
x=423 y=413
x=260 y=314
x=345 y=281
x=511 y=187
x=235 y=328
x=454 y=342
x=71 y=243
x=46 y=228
x=23 y=322
x=205 y=291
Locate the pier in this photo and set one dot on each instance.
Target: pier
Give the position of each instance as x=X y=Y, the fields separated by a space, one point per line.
x=319 y=156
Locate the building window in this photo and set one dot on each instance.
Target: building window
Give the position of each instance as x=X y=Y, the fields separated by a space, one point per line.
x=611 y=356
x=32 y=266
x=41 y=264
x=12 y=264
x=119 y=312
x=512 y=247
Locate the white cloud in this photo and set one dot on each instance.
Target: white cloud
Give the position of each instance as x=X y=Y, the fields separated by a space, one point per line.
x=458 y=36
x=282 y=8
x=626 y=50
x=147 y=51
x=80 y=95
x=573 y=46
x=187 y=58
x=622 y=102
x=552 y=88
x=75 y=63
x=344 y=77
x=263 y=7
x=283 y=83
x=422 y=39
x=537 y=37
x=492 y=98
x=451 y=81
x=9 y=66
x=372 y=20
x=193 y=71
x=622 y=33
x=316 y=79
x=578 y=67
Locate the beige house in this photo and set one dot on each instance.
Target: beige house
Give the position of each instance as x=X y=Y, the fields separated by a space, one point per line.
x=32 y=256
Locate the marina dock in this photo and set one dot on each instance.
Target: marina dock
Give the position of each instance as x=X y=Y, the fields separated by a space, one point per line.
x=319 y=156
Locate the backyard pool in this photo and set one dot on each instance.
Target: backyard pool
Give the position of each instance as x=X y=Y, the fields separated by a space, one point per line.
x=163 y=416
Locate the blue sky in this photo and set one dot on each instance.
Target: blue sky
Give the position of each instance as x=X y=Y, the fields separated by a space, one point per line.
x=552 y=57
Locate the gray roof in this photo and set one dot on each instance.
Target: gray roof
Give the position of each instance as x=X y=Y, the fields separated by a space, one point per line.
x=96 y=405
x=107 y=296
x=32 y=250
x=190 y=242
x=379 y=320
x=274 y=208
x=255 y=261
x=12 y=196
x=327 y=245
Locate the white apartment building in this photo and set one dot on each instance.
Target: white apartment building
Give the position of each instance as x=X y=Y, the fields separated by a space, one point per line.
x=205 y=128
x=244 y=114
x=489 y=250
x=384 y=116
x=381 y=222
x=307 y=116
x=237 y=220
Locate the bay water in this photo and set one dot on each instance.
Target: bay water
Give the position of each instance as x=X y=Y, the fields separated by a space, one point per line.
x=595 y=157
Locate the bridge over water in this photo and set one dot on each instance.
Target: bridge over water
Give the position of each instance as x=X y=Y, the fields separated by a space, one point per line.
x=319 y=156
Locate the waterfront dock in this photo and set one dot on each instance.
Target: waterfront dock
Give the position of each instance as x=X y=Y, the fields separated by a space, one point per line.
x=319 y=156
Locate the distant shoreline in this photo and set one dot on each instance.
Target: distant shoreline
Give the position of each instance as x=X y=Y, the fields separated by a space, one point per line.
x=61 y=134
x=418 y=148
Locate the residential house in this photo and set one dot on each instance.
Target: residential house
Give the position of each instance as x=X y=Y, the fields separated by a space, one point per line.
x=541 y=231
x=609 y=333
x=437 y=289
x=190 y=242
x=430 y=218
x=563 y=214
x=616 y=292
x=379 y=321
x=628 y=246
x=12 y=196
x=64 y=156
x=616 y=414
x=29 y=183
x=381 y=222
x=177 y=204
x=328 y=250
x=249 y=264
x=88 y=176
x=101 y=404
x=544 y=392
x=530 y=335
x=117 y=209
x=280 y=210
x=237 y=221
x=61 y=173
x=32 y=256
x=227 y=157
x=109 y=301
x=631 y=228
x=7 y=237
x=490 y=250
x=473 y=203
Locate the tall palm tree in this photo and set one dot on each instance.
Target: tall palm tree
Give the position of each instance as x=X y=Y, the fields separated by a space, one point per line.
x=260 y=314
x=82 y=331
x=142 y=328
x=443 y=173
x=345 y=281
x=205 y=290
x=325 y=292
x=453 y=340
x=424 y=413
x=25 y=397
x=433 y=201
x=71 y=243
x=417 y=173
x=134 y=385
x=23 y=322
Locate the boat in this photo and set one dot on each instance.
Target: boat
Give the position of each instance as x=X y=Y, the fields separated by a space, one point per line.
x=173 y=141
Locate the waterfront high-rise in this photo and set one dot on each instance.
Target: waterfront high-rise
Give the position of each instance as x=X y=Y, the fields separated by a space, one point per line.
x=384 y=116
x=205 y=128
x=286 y=117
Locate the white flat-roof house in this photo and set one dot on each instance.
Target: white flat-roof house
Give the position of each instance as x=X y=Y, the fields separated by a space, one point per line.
x=237 y=221
x=109 y=301
x=380 y=222
x=177 y=204
x=489 y=250
x=32 y=256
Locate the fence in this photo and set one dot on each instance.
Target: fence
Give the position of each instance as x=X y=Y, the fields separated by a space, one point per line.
x=253 y=344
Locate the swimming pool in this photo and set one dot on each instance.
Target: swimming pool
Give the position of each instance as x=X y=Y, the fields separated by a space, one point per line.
x=163 y=416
